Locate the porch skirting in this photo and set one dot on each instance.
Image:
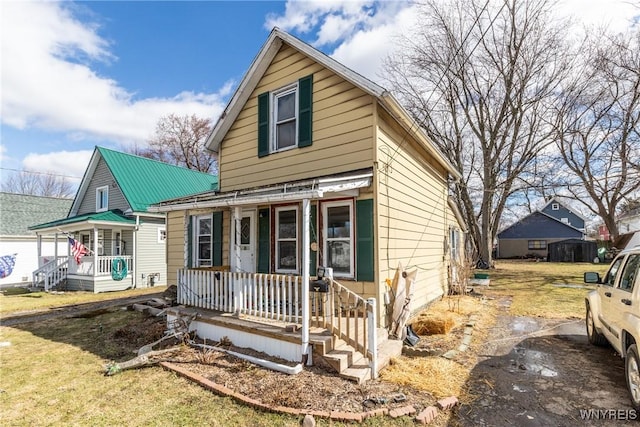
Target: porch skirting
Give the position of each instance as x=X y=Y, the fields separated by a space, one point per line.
x=269 y=338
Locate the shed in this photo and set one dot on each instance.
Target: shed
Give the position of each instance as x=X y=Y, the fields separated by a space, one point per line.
x=572 y=250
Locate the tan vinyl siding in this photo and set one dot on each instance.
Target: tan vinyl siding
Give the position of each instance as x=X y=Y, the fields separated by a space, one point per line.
x=102 y=177
x=150 y=253
x=176 y=255
x=519 y=248
x=177 y=239
x=342 y=120
x=412 y=212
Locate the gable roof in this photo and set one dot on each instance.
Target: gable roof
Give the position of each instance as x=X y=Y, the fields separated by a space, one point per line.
x=19 y=211
x=564 y=205
x=539 y=225
x=262 y=61
x=143 y=181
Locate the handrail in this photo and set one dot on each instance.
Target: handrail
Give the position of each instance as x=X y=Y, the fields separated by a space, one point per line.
x=352 y=318
x=51 y=273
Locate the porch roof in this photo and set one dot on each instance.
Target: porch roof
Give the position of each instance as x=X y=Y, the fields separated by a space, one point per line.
x=110 y=218
x=335 y=186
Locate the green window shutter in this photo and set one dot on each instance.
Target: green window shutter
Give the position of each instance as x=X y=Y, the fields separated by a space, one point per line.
x=217 y=238
x=263 y=124
x=264 y=242
x=305 y=104
x=313 y=235
x=190 y=242
x=364 y=240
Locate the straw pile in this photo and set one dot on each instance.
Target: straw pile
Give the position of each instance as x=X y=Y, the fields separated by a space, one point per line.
x=439 y=376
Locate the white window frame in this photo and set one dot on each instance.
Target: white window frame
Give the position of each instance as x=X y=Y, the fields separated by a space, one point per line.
x=278 y=239
x=116 y=242
x=100 y=191
x=287 y=90
x=555 y=206
x=198 y=262
x=162 y=234
x=326 y=240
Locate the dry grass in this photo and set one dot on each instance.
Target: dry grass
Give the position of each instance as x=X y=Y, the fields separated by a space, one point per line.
x=440 y=376
x=16 y=300
x=533 y=287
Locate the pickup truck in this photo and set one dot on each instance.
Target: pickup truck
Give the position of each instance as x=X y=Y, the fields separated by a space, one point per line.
x=613 y=313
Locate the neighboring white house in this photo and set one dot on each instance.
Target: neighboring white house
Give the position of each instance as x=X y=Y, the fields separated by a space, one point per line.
x=629 y=222
x=17 y=213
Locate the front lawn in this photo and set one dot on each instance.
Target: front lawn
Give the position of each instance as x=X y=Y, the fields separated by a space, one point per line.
x=544 y=289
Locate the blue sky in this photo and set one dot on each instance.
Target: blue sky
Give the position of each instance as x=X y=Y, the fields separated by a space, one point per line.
x=80 y=74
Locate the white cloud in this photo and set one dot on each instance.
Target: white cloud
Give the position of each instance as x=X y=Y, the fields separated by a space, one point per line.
x=70 y=164
x=48 y=83
x=365 y=30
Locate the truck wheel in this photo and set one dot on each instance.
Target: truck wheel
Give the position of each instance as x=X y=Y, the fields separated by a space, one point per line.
x=595 y=337
x=632 y=373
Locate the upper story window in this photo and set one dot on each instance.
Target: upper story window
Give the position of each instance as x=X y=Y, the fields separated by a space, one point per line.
x=285 y=119
x=555 y=206
x=162 y=235
x=102 y=198
x=338 y=245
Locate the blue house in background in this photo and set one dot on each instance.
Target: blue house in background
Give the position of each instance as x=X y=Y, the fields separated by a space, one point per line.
x=531 y=236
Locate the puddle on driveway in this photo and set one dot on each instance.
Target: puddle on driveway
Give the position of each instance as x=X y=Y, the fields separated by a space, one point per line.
x=533 y=361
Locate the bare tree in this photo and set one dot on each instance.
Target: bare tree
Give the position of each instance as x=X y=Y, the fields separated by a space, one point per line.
x=46 y=184
x=480 y=77
x=180 y=140
x=598 y=130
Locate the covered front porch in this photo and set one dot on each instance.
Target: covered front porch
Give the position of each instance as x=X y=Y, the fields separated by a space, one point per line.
x=110 y=241
x=265 y=312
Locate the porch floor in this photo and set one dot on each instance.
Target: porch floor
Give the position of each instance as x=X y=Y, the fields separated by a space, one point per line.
x=259 y=326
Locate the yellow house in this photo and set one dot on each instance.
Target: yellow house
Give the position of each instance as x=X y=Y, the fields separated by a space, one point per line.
x=320 y=170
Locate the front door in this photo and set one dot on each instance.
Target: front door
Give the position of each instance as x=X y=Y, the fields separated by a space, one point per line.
x=247 y=246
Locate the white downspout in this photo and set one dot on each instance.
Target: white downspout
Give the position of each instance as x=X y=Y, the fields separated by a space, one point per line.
x=306 y=257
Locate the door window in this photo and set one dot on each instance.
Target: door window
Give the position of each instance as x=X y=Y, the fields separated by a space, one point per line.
x=630 y=273
x=610 y=278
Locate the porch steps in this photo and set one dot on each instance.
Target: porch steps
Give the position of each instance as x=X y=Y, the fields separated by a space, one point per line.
x=352 y=364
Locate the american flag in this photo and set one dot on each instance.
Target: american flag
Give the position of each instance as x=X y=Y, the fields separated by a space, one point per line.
x=77 y=249
x=7 y=263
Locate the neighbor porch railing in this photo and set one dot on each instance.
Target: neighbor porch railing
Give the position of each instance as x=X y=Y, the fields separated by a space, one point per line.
x=279 y=297
x=104 y=265
x=51 y=273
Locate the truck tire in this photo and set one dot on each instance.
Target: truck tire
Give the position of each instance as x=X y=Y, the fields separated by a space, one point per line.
x=595 y=337
x=632 y=374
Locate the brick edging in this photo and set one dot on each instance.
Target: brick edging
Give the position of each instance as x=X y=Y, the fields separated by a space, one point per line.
x=221 y=390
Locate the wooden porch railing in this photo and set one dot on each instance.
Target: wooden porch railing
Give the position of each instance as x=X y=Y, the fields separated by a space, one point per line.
x=349 y=317
x=267 y=296
x=279 y=297
x=51 y=273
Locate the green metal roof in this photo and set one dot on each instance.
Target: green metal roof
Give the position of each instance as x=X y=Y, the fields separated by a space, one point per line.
x=145 y=182
x=19 y=211
x=107 y=216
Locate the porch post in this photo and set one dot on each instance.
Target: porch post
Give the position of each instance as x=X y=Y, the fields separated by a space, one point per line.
x=306 y=258
x=237 y=285
x=95 y=255
x=39 y=248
